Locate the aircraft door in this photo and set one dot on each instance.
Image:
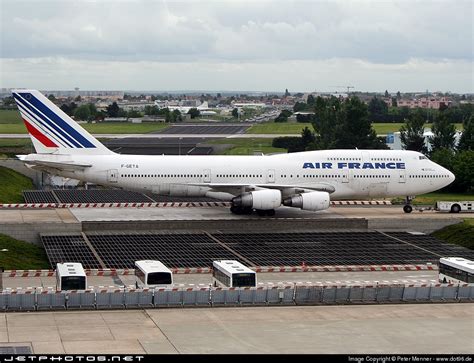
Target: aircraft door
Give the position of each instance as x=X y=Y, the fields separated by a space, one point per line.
x=207 y=176
x=401 y=176
x=345 y=176
x=271 y=176
x=112 y=176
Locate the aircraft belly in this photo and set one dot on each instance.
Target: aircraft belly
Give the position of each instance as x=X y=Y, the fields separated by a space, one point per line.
x=179 y=190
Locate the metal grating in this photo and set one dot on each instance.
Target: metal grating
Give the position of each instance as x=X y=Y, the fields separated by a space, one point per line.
x=38 y=196
x=332 y=248
x=100 y=196
x=21 y=349
x=433 y=244
x=261 y=249
x=174 y=250
x=71 y=248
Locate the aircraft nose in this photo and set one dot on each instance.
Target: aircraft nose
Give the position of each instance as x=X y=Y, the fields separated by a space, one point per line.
x=451 y=176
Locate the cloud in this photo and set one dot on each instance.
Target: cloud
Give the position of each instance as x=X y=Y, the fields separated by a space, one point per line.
x=262 y=45
x=243 y=30
x=296 y=75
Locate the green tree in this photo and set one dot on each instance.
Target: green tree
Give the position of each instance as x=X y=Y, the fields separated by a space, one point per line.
x=444 y=132
x=82 y=113
x=311 y=100
x=357 y=128
x=51 y=98
x=287 y=93
x=113 y=110
x=378 y=110
x=235 y=113
x=443 y=157
x=291 y=143
x=134 y=114
x=344 y=125
x=69 y=109
x=327 y=120
x=194 y=112
x=411 y=134
x=386 y=94
x=466 y=142
x=283 y=116
x=399 y=96
x=299 y=106
x=307 y=137
x=462 y=167
x=151 y=110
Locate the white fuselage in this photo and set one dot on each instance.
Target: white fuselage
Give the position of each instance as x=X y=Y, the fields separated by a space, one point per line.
x=353 y=174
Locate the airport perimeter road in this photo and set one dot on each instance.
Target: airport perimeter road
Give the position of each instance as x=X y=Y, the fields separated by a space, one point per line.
x=203 y=280
x=424 y=328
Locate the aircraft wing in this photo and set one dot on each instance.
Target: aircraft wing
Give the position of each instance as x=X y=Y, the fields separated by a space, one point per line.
x=320 y=187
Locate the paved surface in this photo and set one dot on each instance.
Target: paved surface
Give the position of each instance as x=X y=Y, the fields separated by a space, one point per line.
x=120 y=136
x=204 y=129
x=17 y=216
x=264 y=278
x=169 y=213
x=423 y=329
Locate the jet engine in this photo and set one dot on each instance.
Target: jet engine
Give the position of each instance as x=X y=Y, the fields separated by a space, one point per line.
x=261 y=199
x=312 y=201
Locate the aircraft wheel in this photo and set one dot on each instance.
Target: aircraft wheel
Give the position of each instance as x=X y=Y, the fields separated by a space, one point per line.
x=261 y=212
x=455 y=208
x=247 y=210
x=271 y=212
x=407 y=208
x=236 y=210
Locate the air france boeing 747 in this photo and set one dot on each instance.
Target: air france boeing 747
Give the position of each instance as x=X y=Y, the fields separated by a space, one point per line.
x=305 y=180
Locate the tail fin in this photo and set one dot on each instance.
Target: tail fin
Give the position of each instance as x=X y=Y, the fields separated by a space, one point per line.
x=51 y=130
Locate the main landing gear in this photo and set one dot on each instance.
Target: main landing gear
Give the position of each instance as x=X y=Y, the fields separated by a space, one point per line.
x=249 y=210
x=407 y=208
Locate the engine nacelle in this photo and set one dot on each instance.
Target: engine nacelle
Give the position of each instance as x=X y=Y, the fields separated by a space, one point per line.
x=312 y=201
x=260 y=199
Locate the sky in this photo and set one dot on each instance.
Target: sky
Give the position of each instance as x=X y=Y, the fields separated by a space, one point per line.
x=257 y=45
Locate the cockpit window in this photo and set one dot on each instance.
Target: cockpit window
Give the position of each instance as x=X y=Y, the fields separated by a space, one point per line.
x=422 y=157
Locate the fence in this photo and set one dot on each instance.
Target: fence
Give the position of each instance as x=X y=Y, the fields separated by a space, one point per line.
x=49 y=299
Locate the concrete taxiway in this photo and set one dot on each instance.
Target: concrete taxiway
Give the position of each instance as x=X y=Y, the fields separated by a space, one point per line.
x=423 y=329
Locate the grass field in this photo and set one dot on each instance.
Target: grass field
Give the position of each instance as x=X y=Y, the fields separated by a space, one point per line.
x=461 y=234
x=295 y=128
x=278 y=128
x=10 y=117
x=248 y=146
x=19 y=255
x=11 y=185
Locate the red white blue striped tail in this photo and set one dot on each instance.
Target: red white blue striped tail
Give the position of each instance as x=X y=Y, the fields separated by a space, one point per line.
x=51 y=130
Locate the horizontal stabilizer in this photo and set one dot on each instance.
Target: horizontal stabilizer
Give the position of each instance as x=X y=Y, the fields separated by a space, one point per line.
x=57 y=165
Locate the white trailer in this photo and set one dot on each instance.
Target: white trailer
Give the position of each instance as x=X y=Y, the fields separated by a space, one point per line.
x=455 y=207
